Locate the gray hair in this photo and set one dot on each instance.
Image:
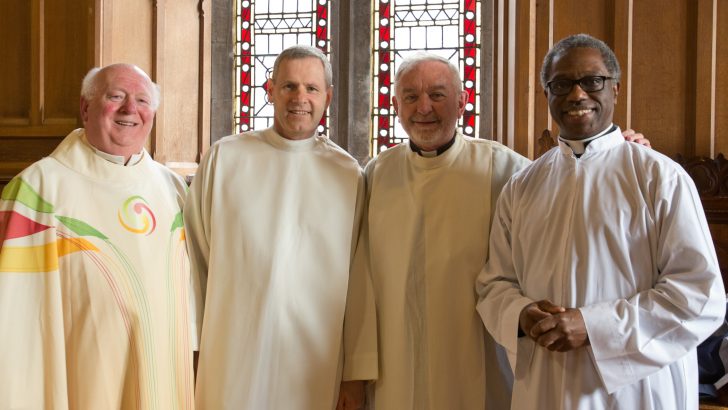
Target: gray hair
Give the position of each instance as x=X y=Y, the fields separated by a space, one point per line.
x=300 y=51
x=415 y=59
x=580 y=41
x=90 y=84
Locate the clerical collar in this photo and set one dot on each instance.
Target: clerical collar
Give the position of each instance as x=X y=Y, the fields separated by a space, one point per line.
x=579 y=146
x=119 y=159
x=430 y=154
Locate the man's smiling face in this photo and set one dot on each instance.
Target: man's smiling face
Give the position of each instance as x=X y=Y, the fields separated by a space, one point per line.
x=580 y=114
x=119 y=116
x=429 y=103
x=300 y=96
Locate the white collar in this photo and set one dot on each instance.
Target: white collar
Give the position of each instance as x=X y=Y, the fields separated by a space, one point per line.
x=579 y=146
x=119 y=159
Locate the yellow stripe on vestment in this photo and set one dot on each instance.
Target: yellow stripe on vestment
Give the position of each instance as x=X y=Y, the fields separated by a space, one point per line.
x=70 y=245
x=41 y=258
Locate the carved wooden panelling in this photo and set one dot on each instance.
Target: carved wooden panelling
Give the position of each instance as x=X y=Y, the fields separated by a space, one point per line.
x=710 y=175
x=711 y=181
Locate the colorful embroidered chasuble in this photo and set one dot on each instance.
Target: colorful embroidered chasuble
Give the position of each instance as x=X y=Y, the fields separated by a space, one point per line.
x=94 y=285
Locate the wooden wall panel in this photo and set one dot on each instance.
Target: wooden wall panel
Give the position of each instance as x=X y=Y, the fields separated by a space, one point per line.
x=512 y=85
x=177 y=120
x=701 y=84
x=128 y=33
x=622 y=45
x=661 y=79
x=544 y=40
x=595 y=17
x=23 y=150
x=66 y=59
x=721 y=79
x=15 y=56
x=526 y=63
x=16 y=153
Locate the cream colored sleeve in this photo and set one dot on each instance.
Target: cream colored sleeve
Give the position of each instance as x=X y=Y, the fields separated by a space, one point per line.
x=505 y=163
x=196 y=214
x=360 y=321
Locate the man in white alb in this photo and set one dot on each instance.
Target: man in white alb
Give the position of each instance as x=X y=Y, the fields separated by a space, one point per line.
x=602 y=278
x=272 y=217
x=422 y=244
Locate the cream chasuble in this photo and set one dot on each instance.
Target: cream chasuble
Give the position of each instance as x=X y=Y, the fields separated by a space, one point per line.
x=620 y=234
x=94 y=285
x=271 y=223
x=424 y=240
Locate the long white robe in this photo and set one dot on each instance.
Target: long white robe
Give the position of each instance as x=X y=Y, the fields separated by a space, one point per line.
x=271 y=224
x=94 y=283
x=620 y=234
x=423 y=243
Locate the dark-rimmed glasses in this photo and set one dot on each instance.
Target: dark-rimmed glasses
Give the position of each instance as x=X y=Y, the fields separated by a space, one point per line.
x=590 y=84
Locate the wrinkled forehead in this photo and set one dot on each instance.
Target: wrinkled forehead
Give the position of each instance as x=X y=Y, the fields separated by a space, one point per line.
x=294 y=68
x=125 y=77
x=426 y=74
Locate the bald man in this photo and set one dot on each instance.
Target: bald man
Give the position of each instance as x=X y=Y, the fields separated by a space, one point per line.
x=93 y=266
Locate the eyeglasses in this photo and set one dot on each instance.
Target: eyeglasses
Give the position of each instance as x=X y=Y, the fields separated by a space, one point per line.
x=589 y=84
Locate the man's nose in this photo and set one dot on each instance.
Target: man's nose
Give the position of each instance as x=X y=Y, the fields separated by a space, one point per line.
x=577 y=93
x=424 y=105
x=129 y=105
x=298 y=92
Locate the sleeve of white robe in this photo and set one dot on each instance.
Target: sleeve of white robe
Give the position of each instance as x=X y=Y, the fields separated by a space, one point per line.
x=505 y=163
x=634 y=337
x=500 y=299
x=499 y=376
x=360 y=326
x=197 y=229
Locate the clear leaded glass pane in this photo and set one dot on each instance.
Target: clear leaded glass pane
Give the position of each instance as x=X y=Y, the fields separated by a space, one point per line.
x=450 y=28
x=264 y=29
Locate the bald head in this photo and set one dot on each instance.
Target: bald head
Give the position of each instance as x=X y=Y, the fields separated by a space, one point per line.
x=95 y=77
x=421 y=57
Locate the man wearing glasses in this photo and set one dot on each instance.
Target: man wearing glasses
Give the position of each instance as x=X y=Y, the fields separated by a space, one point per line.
x=601 y=302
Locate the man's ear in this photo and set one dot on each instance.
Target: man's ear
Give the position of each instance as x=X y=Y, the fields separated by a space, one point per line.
x=269 y=90
x=83 y=109
x=616 y=92
x=395 y=103
x=462 y=99
x=329 y=95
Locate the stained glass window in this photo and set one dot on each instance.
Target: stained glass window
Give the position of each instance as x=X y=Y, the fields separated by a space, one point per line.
x=264 y=28
x=450 y=28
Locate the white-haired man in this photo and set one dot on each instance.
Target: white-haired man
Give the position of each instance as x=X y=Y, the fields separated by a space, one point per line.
x=93 y=266
x=423 y=242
